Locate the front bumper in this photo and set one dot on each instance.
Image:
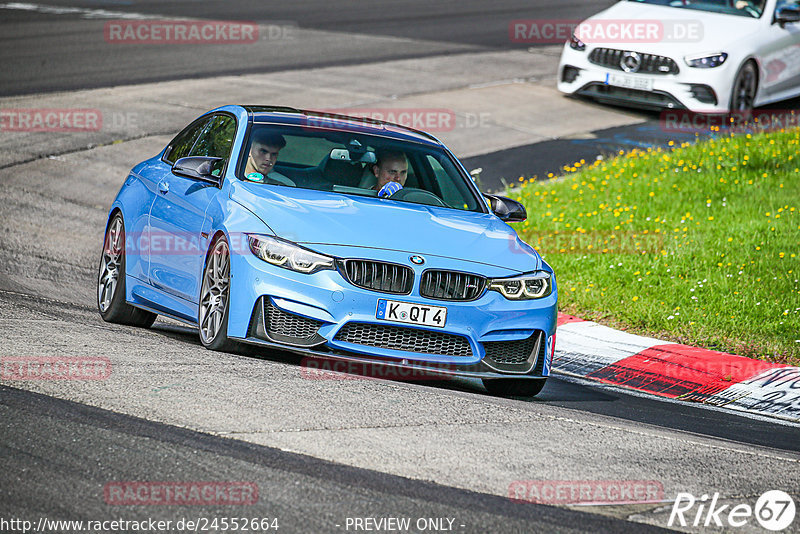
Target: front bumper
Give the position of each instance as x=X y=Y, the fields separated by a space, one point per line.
x=696 y=90
x=323 y=315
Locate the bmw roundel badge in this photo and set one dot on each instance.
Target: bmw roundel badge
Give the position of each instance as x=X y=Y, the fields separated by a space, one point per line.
x=417 y=260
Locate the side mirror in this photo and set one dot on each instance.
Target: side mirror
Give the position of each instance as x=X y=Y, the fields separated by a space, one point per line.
x=203 y=168
x=787 y=15
x=507 y=209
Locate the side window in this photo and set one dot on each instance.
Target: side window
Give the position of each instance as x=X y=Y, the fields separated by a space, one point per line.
x=184 y=141
x=217 y=139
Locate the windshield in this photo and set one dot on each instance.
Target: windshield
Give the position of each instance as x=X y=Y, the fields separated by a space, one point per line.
x=355 y=164
x=742 y=8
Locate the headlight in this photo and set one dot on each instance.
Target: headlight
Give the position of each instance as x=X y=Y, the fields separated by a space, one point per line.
x=288 y=255
x=576 y=44
x=525 y=287
x=706 y=61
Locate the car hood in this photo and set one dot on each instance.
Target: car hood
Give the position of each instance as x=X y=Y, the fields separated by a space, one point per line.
x=316 y=217
x=718 y=31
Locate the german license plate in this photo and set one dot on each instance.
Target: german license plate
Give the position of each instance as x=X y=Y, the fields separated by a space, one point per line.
x=629 y=82
x=406 y=312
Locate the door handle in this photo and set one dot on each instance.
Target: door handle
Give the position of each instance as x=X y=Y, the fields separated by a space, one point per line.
x=163 y=187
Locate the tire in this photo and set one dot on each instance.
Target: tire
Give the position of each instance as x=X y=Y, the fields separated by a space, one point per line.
x=111 y=281
x=212 y=316
x=745 y=88
x=513 y=387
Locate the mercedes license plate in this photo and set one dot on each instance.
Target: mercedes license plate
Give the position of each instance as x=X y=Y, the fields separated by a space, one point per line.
x=629 y=82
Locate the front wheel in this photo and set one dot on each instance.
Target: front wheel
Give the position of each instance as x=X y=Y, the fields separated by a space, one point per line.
x=111 y=281
x=745 y=87
x=214 y=298
x=513 y=387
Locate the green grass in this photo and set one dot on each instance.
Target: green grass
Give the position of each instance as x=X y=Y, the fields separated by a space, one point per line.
x=697 y=245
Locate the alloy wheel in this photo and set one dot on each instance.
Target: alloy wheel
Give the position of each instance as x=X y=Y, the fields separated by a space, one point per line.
x=744 y=90
x=214 y=292
x=110 y=265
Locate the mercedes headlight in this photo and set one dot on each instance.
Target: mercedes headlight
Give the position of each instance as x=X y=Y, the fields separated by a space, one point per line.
x=288 y=255
x=576 y=44
x=706 y=61
x=525 y=287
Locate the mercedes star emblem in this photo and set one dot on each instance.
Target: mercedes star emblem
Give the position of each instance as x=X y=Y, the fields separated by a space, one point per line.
x=631 y=61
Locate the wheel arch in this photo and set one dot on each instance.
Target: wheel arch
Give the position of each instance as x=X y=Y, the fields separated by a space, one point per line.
x=111 y=214
x=211 y=241
x=754 y=60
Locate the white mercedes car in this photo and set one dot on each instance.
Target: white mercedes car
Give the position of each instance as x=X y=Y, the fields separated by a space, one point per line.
x=707 y=56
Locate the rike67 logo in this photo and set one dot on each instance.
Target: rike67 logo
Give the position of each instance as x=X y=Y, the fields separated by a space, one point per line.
x=774 y=510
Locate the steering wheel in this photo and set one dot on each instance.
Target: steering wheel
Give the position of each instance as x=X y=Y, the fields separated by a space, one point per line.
x=418 y=196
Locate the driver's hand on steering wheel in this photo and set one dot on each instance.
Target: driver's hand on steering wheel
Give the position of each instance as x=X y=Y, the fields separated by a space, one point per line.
x=389 y=189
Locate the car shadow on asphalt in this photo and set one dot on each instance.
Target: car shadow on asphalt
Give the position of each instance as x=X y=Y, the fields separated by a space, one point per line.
x=555 y=390
x=189 y=334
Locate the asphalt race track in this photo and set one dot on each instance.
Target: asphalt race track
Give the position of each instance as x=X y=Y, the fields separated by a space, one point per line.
x=321 y=453
x=62 y=50
x=304 y=493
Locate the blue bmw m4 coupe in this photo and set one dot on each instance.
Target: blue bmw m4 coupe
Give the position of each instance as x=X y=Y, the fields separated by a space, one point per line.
x=335 y=237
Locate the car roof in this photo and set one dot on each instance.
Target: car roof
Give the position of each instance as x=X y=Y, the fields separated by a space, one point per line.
x=320 y=119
